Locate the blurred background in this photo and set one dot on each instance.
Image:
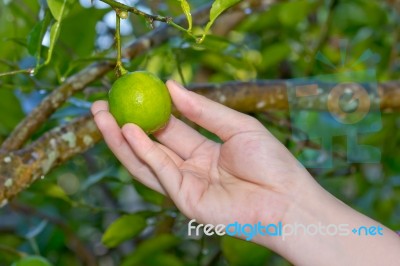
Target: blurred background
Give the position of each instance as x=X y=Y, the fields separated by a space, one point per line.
x=64 y=216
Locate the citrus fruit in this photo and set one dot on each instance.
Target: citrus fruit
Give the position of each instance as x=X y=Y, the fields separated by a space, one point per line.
x=141 y=98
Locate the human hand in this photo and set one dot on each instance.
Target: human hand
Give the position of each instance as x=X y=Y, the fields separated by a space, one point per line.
x=239 y=180
x=250 y=177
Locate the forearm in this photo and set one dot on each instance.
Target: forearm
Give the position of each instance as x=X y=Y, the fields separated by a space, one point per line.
x=329 y=239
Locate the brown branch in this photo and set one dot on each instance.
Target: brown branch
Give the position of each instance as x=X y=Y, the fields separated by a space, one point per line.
x=18 y=169
x=264 y=95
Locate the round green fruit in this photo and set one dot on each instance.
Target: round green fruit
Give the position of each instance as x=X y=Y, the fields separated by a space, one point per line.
x=141 y=98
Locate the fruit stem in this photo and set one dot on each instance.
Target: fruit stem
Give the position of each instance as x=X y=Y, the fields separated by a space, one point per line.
x=119 y=69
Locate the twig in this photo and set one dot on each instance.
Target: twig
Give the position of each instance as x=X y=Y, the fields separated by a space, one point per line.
x=148 y=17
x=119 y=68
x=326 y=28
x=19 y=71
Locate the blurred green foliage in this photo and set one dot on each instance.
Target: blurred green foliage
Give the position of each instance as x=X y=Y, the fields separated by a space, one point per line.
x=93 y=198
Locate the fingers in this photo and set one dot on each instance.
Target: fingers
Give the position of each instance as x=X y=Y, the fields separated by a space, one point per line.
x=180 y=137
x=215 y=117
x=118 y=145
x=159 y=161
x=99 y=106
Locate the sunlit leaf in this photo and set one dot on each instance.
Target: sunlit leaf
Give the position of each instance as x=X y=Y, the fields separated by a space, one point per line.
x=54 y=34
x=122 y=229
x=36 y=35
x=217 y=8
x=56 y=191
x=186 y=10
x=57 y=8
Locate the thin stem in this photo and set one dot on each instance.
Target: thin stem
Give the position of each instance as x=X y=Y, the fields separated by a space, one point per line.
x=14 y=72
x=118 y=5
x=119 y=69
x=323 y=37
x=118 y=37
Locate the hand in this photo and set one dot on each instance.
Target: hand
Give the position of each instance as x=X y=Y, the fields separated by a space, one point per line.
x=249 y=174
x=250 y=177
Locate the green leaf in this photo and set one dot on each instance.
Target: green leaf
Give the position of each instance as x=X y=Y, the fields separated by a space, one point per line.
x=55 y=191
x=73 y=32
x=186 y=10
x=36 y=35
x=9 y=105
x=274 y=54
x=57 y=8
x=122 y=229
x=292 y=13
x=147 y=249
x=243 y=253
x=54 y=34
x=148 y=194
x=32 y=261
x=217 y=8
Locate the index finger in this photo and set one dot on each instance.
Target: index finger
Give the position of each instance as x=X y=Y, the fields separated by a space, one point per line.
x=215 y=117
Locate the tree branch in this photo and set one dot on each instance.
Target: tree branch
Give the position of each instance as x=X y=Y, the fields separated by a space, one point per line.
x=267 y=95
x=18 y=169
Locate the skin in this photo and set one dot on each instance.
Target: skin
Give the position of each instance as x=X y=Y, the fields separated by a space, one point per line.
x=251 y=177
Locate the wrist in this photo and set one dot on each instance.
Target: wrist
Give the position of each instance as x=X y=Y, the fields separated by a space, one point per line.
x=317 y=230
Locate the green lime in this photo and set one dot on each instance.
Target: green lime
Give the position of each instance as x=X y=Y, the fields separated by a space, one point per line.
x=141 y=98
